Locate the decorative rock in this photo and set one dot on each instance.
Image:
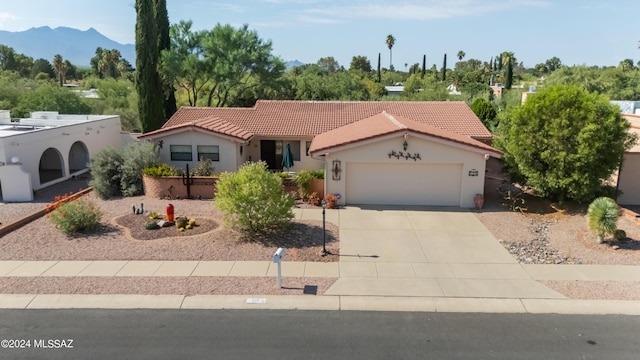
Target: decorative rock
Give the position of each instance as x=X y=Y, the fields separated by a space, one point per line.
x=615 y=247
x=164 y=223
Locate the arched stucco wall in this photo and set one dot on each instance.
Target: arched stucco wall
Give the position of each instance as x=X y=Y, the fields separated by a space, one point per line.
x=78 y=157
x=51 y=166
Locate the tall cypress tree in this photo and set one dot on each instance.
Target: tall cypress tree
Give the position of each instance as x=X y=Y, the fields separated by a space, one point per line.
x=444 y=68
x=164 y=43
x=424 y=66
x=148 y=84
x=379 y=74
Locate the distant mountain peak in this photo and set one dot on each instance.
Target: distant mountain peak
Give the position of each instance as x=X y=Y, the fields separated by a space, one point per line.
x=77 y=46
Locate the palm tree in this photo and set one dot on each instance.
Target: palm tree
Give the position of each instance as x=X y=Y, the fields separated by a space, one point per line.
x=461 y=55
x=59 y=67
x=602 y=216
x=390 y=42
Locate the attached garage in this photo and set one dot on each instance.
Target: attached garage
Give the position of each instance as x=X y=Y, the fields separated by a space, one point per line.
x=387 y=160
x=403 y=184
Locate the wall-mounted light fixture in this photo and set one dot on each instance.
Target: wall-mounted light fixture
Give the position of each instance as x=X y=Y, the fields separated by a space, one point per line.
x=240 y=150
x=486 y=157
x=405 y=145
x=336 y=169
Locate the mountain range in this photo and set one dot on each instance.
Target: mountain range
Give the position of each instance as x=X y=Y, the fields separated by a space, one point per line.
x=77 y=46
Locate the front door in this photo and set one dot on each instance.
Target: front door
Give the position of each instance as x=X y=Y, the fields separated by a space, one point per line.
x=268 y=153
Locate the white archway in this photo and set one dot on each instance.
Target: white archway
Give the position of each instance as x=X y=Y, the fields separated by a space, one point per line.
x=51 y=165
x=78 y=157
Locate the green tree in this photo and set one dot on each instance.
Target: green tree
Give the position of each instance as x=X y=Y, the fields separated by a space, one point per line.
x=42 y=66
x=553 y=64
x=148 y=82
x=508 y=59
x=564 y=141
x=60 y=67
x=7 y=58
x=182 y=63
x=164 y=43
x=444 y=68
x=252 y=199
x=461 y=55
x=47 y=97
x=360 y=63
x=234 y=57
x=391 y=41
x=329 y=63
x=485 y=112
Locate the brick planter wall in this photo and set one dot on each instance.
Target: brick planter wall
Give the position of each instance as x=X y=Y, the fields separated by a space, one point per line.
x=163 y=187
x=172 y=186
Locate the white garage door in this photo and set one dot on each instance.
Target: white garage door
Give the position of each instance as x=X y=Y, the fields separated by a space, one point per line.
x=403 y=184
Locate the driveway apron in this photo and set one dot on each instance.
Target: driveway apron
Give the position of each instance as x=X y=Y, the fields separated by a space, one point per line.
x=425 y=251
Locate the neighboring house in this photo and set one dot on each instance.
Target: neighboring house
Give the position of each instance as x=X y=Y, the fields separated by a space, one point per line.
x=629 y=175
x=400 y=153
x=48 y=148
x=453 y=90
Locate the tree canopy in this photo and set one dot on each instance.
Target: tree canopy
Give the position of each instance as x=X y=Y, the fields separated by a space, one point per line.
x=564 y=142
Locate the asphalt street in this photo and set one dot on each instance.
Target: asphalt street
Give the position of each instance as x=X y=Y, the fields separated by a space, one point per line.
x=270 y=334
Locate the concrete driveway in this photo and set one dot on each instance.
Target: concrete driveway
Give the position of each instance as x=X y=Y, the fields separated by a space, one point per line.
x=423 y=251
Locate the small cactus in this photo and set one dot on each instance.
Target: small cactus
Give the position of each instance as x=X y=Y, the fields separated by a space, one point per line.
x=620 y=235
x=151 y=225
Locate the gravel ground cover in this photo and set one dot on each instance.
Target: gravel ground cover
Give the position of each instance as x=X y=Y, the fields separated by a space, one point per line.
x=542 y=235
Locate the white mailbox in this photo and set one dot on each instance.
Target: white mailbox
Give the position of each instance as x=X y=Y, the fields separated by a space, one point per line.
x=277 y=258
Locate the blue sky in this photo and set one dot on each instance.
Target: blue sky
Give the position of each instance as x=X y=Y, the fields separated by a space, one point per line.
x=577 y=31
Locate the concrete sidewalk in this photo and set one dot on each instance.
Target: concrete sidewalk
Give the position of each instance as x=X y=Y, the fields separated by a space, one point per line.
x=391 y=259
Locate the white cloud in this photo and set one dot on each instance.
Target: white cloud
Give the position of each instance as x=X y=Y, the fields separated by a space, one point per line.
x=4 y=17
x=418 y=9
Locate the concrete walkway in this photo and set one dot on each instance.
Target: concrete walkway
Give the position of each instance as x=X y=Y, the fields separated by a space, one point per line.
x=393 y=259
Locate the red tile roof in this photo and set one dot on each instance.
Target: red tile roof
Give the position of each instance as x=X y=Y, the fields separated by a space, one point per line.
x=212 y=124
x=309 y=118
x=385 y=124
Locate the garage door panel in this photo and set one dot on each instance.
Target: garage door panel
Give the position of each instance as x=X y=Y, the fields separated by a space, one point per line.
x=403 y=184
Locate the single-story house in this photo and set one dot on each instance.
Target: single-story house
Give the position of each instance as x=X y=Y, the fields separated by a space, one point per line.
x=48 y=148
x=629 y=176
x=395 y=152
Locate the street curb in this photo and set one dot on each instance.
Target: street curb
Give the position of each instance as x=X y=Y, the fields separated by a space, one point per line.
x=320 y=303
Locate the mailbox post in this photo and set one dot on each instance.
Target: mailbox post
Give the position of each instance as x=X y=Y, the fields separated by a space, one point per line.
x=277 y=258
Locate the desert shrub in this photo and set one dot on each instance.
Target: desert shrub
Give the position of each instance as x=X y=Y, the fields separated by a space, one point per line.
x=158 y=170
x=303 y=179
x=118 y=172
x=331 y=201
x=203 y=168
x=136 y=157
x=253 y=200
x=104 y=169
x=602 y=217
x=283 y=175
x=76 y=216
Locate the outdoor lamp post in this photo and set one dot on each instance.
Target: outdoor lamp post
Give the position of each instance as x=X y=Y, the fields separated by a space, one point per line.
x=324 y=229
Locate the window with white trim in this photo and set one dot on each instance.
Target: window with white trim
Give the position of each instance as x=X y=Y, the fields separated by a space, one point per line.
x=181 y=153
x=211 y=152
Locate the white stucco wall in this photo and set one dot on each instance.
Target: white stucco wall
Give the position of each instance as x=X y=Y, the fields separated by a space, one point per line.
x=628 y=182
x=432 y=151
x=228 y=148
x=29 y=146
x=251 y=152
